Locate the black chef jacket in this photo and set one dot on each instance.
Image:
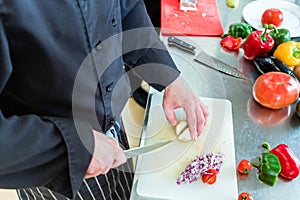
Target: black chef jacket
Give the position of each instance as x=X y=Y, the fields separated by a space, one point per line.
x=44 y=44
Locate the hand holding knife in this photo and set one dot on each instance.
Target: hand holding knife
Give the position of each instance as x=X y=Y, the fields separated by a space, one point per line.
x=206 y=59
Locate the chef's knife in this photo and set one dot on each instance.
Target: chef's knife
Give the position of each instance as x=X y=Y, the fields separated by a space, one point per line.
x=145 y=149
x=206 y=59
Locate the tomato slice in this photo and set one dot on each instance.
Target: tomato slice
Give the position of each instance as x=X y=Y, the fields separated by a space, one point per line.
x=244 y=167
x=213 y=171
x=245 y=196
x=209 y=178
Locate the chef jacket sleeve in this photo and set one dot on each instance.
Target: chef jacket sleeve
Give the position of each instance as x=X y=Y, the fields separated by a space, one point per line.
x=143 y=51
x=39 y=150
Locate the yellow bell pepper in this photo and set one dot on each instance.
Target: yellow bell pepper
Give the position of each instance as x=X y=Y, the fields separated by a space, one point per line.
x=288 y=53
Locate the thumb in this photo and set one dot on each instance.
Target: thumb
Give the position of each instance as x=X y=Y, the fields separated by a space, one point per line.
x=119 y=159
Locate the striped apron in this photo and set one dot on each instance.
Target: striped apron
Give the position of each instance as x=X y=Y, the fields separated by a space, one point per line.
x=115 y=185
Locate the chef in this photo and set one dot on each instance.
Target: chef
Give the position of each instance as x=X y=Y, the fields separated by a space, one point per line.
x=63 y=85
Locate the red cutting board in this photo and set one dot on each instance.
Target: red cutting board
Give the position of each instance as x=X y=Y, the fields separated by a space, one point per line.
x=203 y=22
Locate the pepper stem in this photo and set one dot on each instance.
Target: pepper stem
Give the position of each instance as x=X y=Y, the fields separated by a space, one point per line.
x=264 y=35
x=266 y=146
x=273 y=27
x=257 y=164
x=296 y=52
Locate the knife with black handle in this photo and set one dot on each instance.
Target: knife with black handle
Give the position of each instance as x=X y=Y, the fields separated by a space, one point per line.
x=206 y=59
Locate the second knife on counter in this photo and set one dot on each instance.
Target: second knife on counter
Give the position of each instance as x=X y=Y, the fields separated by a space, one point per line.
x=205 y=59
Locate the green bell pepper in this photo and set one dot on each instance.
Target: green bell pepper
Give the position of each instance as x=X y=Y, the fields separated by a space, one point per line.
x=280 y=35
x=269 y=168
x=239 y=30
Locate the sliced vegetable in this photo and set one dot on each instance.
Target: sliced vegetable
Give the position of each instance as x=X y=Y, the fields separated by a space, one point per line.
x=288 y=53
x=244 y=167
x=258 y=43
x=245 y=196
x=289 y=162
x=210 y=177
x=182 y=130
x=269 y=168
x=272 y=16
x=279 y=35
x=275 y=90
x=231 y=43
x=266 y=64
x=239 y=30
x=199 y=166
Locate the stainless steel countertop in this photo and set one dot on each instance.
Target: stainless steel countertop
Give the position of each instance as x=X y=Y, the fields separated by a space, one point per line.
x=249 y=133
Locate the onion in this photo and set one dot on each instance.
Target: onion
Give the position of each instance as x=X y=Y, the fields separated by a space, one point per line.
x=200 y=166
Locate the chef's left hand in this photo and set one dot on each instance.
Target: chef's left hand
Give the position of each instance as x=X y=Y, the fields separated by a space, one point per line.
x=179 y=95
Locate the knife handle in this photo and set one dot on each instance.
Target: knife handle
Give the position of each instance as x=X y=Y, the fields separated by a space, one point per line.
x=181 y=44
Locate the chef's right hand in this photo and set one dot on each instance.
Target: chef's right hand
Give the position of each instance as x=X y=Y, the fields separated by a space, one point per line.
x=107 y=154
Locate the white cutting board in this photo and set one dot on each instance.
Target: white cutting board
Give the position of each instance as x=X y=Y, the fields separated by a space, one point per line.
x=158 y=171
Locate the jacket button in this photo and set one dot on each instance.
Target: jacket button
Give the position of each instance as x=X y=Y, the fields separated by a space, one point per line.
x=108 y=89
x=112 y=122
x=113 y=22
x=98 y=47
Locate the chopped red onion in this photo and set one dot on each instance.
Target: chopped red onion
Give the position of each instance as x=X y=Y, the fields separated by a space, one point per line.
x=200 y=166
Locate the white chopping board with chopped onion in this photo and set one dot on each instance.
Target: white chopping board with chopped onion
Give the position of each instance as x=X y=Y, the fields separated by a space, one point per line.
x=158 y=171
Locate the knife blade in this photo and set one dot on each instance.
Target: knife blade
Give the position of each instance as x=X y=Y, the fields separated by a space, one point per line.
x=205 y=59
x=145 y=149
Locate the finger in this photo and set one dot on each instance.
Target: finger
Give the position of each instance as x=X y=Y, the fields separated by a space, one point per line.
x=170 y=115
x=96 y=169
x=191 y=120
x=204 y=111
x=120 y=159
x=200 y=121
x=202 y=116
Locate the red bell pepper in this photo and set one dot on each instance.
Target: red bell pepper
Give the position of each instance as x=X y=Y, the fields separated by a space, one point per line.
x=258 y=43
x=231 y=43
x=290 y=164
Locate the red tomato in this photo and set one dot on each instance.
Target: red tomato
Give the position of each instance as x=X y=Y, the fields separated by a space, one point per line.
x=275 y=90
x=272 y=16
x=244 y=167
x=209 y=178
x=245 y=196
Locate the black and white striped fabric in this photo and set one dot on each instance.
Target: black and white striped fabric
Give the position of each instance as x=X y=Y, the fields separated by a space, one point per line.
x=115 y=185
